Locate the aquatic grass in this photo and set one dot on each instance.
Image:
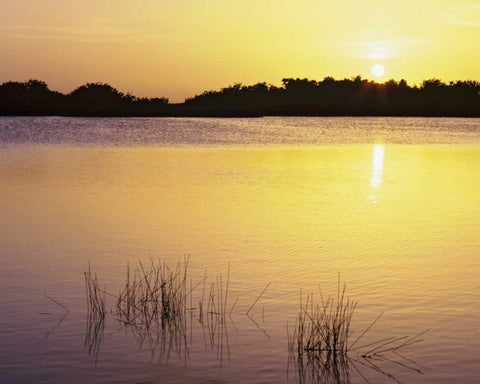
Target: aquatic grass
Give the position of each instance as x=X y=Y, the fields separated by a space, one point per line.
x=258 y=298
x=96 y=312
x=156 y=304
x=320 y=345
x=96 y=298
x=153 y=293
x=153 y=304
x=60 y=321
x=325 y=327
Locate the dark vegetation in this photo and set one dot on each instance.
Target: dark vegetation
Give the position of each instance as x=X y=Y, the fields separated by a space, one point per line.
x=321 y=348
x=296 y=97
x=162 y=308
x=159 y=305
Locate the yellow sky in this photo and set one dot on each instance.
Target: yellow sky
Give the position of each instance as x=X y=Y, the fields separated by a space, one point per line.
x=180 y=48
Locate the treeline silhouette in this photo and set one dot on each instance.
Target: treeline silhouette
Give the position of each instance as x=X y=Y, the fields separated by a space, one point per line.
x=295 y=97
x=93 y=99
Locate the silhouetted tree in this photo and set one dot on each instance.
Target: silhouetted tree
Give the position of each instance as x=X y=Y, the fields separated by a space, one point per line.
x=296 y=96
x=99 y=99
x=31 y=97
x=355 y=96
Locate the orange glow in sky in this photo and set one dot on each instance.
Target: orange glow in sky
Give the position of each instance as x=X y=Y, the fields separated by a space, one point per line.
x=180 y=48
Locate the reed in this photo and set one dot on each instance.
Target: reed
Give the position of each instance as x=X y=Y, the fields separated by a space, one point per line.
x=96 y=299
x=153 y=293
x=96 y=312
x=320 y=345
x=324 y=328
x=153 y=303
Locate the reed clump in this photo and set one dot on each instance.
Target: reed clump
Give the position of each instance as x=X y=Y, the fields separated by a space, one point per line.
x=154 y=294
x=321 y=348
x=156 y=304
x=96 y=312
x=96 y=298
x=324 y=328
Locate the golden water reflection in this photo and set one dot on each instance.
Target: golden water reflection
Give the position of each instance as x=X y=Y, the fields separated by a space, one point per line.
x=295 y=217
x=377 y=165
x=376 y=173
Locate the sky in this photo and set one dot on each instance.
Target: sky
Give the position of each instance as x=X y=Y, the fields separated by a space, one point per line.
x=177 y=49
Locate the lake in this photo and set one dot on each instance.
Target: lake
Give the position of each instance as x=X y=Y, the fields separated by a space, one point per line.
x=264 y=211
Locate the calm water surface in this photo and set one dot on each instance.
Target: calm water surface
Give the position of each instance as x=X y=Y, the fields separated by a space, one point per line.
x=392 y=204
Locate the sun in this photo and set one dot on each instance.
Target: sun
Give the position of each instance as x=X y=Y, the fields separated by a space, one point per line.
x=378 y=70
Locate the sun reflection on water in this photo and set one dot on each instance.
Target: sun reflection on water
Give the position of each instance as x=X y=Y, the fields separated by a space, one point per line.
x=377 y=166
x=377 y=171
